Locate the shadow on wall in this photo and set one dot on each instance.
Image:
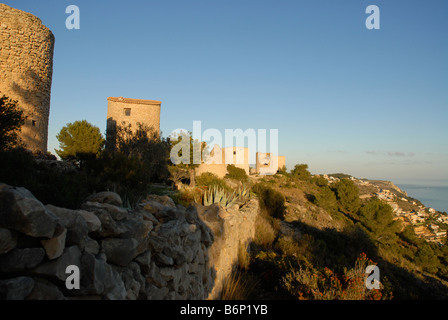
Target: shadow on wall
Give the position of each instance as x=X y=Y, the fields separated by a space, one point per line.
x=35 y=101
x=30 y=139
x=34 y=81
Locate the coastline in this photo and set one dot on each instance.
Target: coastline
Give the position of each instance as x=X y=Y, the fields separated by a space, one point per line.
x=433 y=193
x=431 y=196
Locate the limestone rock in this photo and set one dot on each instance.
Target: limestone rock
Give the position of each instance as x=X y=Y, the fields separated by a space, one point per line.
x=93 y=223
x=134 y=228
x=163 y=200
x=153 y=276
x=106 y=197
x=99 y=278
x=55 y=269
x=156 y=243
x=148 y=216
x=117 y=213
x=152 y=206
x=16 y=289
x=132 y=285
x=92 y=246
x=65 y=216
x=137 y=274
x=45 y=290
x=54 y=247
x=155 y=293
x=77 y=229
x=21 y=211
x=171 y=229
x=177 y=254
x=109 y=227
x=163 y=260
x=144 y=260
x=211 y=220
x=120 y=251
x=21 y=259
x=165 y=215
x=8 y=240
x=173 y=276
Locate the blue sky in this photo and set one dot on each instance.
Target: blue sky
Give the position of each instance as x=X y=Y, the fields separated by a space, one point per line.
x=372 y=103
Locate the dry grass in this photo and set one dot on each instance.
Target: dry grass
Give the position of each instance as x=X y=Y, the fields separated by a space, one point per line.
x=265 y=234
x=243 y=257
x=238 y=286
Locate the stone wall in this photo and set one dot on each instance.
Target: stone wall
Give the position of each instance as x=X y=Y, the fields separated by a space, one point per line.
x=238 y=225
x=156 y=251
x=219 y=158
x=219 y=169
x=26 y=69
x=238 y=156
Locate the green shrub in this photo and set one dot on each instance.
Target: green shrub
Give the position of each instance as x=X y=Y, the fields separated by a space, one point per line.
x=210 y=180
x=301 y=172
x=283 y=171
x=326 y=199
x=320 y=181
x=187 y=196
x=426 y=258
x=347 y=194
x=271 y=201
x=377 y=216
x=236 y=173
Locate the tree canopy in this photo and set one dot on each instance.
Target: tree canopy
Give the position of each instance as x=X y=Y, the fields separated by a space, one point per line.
x=347 y=194
x=377 y=216
x=79 y=140
x=301 y=172
x=326 y=199
x=186 y=153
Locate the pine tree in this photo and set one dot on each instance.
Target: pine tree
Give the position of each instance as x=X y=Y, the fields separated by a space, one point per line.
x=79 y=141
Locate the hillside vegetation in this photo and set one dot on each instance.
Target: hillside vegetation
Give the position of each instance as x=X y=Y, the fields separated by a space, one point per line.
x=314 y=241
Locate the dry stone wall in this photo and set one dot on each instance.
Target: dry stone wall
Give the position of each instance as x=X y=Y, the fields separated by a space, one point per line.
x=156 y=251
x=26 y=69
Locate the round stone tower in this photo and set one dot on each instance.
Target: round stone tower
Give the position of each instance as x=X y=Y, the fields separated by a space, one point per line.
x=26 y=69
x=131 y=111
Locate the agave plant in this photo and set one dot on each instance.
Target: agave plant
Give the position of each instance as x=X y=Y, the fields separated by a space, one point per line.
x=219 y=196
x=243 y=193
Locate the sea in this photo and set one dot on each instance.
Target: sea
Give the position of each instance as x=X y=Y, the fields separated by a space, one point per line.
x=432 y=193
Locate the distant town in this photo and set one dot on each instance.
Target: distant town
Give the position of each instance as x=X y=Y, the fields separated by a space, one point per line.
x=428 y=223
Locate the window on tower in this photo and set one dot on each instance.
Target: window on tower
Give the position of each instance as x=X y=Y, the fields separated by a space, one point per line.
x=127 y=112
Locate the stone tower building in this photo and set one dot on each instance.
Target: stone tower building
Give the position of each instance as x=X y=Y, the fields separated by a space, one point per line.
x=26 y=69
x=131 y=111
